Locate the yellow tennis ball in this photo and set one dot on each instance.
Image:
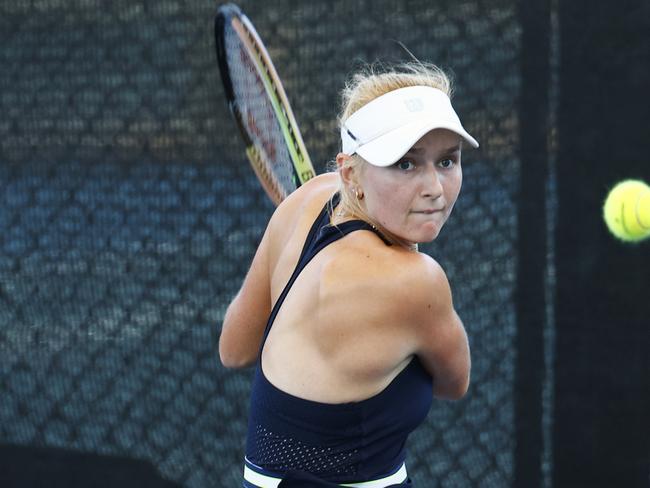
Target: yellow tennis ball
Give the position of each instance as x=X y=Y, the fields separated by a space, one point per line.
x=627 y=210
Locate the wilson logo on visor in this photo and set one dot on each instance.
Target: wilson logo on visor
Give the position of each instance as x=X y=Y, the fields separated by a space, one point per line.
x=414 y=104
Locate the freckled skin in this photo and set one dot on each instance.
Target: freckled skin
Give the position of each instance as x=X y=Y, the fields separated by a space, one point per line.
x=414 y=197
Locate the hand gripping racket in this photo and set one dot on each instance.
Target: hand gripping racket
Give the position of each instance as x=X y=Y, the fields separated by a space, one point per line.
x=260 y=106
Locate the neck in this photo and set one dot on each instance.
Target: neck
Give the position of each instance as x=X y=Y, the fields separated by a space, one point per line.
x=339 y=215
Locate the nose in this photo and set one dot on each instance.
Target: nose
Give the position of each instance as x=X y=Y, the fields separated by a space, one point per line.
x=431 y=186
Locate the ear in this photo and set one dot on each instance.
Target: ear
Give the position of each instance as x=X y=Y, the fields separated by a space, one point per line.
x=341 y=158
x=347 y=174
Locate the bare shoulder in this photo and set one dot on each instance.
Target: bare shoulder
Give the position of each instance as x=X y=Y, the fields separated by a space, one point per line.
x=404 y=284
x=314 y=192
x=429 y=279
x=400 y=303
x=411 y=289
x=426 y=292
x=405 y=273
x=299 y=209
x=290 y=224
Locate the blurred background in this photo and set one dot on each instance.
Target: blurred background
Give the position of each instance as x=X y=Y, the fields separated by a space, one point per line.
x=129 y=216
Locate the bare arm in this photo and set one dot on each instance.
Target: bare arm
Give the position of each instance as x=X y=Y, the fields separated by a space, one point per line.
x=246 y=316
x=442 y=343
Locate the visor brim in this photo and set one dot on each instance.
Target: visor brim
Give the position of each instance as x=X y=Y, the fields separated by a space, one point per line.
x=390 y=147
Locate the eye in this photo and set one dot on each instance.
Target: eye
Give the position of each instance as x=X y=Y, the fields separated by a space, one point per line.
x=405 y=164
x=446 y=163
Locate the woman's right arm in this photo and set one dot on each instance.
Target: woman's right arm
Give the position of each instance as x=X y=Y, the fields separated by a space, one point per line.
x=246 y=316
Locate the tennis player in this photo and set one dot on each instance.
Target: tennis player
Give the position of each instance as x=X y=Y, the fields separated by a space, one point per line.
x=353 y=330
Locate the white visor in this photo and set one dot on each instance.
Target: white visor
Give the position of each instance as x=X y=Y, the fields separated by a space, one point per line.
x=382 y=131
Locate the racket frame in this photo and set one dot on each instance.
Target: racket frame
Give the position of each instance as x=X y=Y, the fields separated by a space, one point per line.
x=302 y=166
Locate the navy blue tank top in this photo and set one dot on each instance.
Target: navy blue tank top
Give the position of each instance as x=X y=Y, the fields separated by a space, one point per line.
x=344 y=442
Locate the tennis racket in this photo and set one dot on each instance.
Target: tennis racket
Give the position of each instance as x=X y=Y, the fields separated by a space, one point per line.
x=260 y=106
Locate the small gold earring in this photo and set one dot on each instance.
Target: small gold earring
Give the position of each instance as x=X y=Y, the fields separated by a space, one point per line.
x=358 y=194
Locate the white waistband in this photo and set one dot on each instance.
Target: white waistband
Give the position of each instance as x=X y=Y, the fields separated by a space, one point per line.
x=264 y=481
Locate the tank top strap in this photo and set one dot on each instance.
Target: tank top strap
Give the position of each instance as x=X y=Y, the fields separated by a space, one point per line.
x=321 y=221
x=320 y=235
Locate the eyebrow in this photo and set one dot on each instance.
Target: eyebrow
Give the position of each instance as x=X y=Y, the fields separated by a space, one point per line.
x=419 y=150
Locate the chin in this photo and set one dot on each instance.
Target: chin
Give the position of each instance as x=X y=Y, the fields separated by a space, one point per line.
x=420 y=234
x=431 y=238
x=433 y=231
x=427 y=236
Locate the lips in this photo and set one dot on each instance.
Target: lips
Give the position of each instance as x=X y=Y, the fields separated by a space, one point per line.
x=428 y=211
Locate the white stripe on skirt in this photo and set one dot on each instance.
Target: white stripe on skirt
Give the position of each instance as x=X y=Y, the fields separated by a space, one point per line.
x=264 y=481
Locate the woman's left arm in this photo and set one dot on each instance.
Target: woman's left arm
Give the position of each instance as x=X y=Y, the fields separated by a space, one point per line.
x=442 y=344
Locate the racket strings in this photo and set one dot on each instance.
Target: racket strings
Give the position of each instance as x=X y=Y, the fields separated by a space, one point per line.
x=271 y=158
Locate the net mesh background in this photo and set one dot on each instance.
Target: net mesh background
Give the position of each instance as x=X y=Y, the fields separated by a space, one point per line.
x=129 y=216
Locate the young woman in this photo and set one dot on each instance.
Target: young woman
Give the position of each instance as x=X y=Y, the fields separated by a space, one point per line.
x=353 y=331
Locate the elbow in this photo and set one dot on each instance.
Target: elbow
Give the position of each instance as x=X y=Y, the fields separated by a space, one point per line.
x=230 y=362
x=452 y=390
x=449 y=394
x=460 y=391
x=231 y=358
x=457 y=383
x=234 y=362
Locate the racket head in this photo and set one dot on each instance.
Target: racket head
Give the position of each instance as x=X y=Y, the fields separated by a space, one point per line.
x=259 y=105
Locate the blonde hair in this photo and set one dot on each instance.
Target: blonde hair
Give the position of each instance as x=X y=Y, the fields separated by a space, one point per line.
x=364 y=86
